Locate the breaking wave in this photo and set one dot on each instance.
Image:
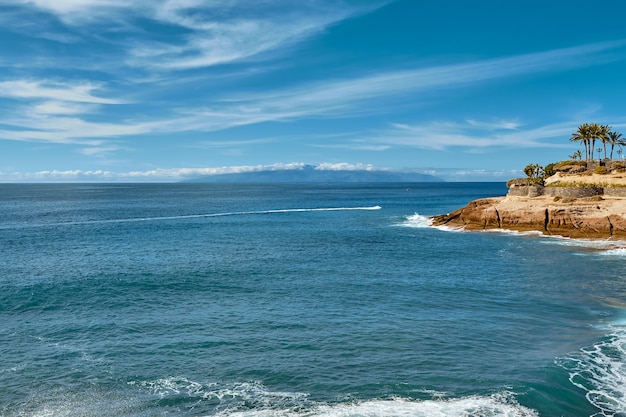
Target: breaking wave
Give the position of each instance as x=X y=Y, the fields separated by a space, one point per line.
x=600 y=370
x=181 y=396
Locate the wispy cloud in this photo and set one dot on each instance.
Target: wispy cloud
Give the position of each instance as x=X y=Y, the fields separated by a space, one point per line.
x=341 y=97
x=99 y=151
x=338 y=98
x=344 y=166
x=54 y=90
x=456 y=174
x=473 y=134
x=200 y=33
x=213 y=41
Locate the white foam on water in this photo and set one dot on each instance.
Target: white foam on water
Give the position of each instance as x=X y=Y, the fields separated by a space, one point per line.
x=252 y=399
x=600 y=370
x=417 y=220
x=514 y=232
x=620 y=252
x=614 y=248
x=230 y=394
x=421 y=222
x=501 y=405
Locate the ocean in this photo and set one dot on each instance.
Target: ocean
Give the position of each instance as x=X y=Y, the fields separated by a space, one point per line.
x=299 y=300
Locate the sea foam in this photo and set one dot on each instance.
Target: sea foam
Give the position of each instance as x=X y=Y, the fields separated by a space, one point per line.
x=600 y=370
x=475 y=406
x=235 y=401
x=600 y=247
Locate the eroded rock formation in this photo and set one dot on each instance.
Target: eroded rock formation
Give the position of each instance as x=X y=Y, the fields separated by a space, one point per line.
x=591 y=219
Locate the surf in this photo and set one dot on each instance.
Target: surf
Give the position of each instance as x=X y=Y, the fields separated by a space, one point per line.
x=609 y=248
x=600 y=371
x=253 y=399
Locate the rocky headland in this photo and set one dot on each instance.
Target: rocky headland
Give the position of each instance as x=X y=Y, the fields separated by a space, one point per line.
x=576 y=206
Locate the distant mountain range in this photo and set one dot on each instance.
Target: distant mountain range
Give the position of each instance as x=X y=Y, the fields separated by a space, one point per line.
x=311 y=174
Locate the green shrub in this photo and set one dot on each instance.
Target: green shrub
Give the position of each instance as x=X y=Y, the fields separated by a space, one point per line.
x=569 y=167
x=517 y=181
x=601 y=170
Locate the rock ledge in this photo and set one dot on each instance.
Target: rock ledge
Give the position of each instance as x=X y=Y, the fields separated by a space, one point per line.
x=589 y=218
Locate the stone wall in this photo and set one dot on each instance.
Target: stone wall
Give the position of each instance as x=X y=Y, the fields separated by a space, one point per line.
x=573 y=192
x=615 y=191
x=525 y=190
x=563 y=192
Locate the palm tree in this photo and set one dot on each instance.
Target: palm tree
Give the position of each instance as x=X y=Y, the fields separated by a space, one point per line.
x=596 y=132
x=576 y=155
x=614 y=138
x=582 y=134
x=604 y=136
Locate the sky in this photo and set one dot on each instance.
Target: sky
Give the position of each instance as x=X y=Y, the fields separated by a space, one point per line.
x=167 y=90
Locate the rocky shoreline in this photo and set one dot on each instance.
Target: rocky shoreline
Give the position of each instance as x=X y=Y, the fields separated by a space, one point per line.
x=597 y=217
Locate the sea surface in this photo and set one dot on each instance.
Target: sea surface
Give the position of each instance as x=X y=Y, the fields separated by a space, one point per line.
x=301 y=300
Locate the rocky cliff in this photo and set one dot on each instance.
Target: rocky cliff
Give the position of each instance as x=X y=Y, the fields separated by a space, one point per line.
x=591 y=218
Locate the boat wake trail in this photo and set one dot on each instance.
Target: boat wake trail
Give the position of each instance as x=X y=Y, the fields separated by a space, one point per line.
x=195 y=216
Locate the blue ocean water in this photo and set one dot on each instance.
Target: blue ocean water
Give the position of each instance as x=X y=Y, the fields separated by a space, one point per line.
x=300 y=300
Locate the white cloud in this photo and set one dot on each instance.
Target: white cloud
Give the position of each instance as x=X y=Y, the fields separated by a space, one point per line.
x=368 y=94
x=51 y=103
x=218 y=42
x=63 y=7
x=99 y=151
x=211 y=32
x=446 y=135
x=53 y=90
x=76 y=12
x=496 y=125
x=344 y=166
x=54 y=107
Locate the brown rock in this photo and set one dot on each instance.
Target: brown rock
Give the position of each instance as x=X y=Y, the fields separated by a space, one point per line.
x=580 y=219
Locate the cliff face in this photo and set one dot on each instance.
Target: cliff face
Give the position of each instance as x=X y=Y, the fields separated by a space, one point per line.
x=580 y=219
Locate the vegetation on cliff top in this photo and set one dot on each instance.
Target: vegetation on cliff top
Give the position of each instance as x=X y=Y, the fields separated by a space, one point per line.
x=587 y=134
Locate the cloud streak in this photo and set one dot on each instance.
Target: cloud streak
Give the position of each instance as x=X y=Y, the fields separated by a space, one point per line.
x=54 y=102
x=330 y=97
x=52 y=90
x=199 y=33
x=442 y=136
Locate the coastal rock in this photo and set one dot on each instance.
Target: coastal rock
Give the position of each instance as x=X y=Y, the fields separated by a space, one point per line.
x=591 y=219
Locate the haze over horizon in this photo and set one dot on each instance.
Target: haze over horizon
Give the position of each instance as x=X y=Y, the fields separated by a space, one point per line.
x=167 y=90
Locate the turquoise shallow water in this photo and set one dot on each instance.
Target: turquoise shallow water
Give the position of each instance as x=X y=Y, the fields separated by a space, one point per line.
x=297 y=301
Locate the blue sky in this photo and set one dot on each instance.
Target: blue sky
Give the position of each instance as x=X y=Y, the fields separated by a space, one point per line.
x=164 y=90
